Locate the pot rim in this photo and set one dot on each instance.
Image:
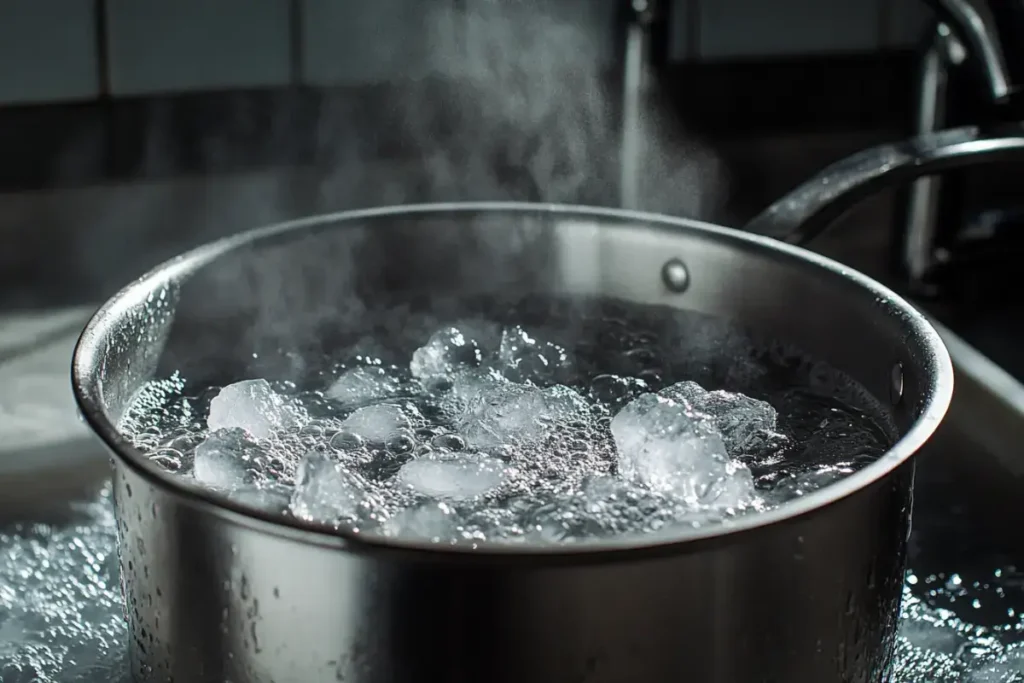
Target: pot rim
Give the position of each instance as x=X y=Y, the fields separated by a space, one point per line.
x=88 y=352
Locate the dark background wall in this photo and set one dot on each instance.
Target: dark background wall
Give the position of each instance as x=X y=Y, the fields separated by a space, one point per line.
x=132 y=129
x=74 y=50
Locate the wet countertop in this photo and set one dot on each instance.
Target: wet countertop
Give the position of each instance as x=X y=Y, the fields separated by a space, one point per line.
x=46 y=451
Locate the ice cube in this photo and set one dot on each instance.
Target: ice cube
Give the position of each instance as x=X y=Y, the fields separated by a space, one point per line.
x=515 y=413
x=377 y=423
x=230 y=459
x=467 y=344
x=452 y=476
x=524 y=358
x=254 y=406
x=466 y=386
x=325 y=492
x=269 y=497
x=663 y=446
x=364 y=384
x=433 y=521
x=746 y=424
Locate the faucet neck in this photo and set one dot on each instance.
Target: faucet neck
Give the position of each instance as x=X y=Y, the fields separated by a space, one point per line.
x=991 y=31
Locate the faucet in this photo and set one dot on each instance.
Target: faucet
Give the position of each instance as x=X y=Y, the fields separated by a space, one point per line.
x=643 y=48
x=982 y=38
x=988 y=28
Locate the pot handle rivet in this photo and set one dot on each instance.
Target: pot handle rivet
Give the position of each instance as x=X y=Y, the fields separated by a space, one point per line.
x=675 y=275
x=896 y=384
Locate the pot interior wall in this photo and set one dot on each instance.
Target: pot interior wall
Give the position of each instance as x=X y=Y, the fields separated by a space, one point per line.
x=256 y=306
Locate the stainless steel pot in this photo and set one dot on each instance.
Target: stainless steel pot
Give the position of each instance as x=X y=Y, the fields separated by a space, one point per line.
x=806 y=593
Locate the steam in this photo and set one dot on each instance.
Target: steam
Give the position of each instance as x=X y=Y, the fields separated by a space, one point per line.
x=520 y=106
x=517 y=104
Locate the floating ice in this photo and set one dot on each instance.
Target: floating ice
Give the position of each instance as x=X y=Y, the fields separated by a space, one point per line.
x=457 y=476
x=524 y=358
x=377 y=423
x=465 y=345
x=432 y=521
x=661 y=445
x=466 y=386
x=254 y=406
x=229 y=459
x=746 y=424
x=364 y=384
x=517 y=396
x=270 y=497
x=514 y=413
x=324 y=491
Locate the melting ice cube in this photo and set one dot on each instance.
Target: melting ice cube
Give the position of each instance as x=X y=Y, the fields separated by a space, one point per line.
x=254 y=406
x=377 y=423
x=467 y=344
x=469 y=385
x=324 y=491
x=746 y=424
x=271 y=497
x=511 y=413
x=524 y=358
x=452 y=476
x=364 y=384
x=433 y=521
x=661 y=445
x=229 y=459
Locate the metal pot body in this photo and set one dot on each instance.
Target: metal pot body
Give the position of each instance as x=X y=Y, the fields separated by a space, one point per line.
x=809 y=592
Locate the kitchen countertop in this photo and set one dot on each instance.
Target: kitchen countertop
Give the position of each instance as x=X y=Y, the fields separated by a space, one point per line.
x=46 y=451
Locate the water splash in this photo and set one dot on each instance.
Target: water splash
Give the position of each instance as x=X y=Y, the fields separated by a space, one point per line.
x=60 y=602
x=939 y=642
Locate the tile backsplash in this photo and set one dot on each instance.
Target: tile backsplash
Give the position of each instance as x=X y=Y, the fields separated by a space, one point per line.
x=347 y=43
x=48 y=50
x=53 y=50
x=157 y=46
x=766 y=28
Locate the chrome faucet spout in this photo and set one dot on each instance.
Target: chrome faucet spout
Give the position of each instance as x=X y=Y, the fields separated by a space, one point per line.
x=976 y=25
